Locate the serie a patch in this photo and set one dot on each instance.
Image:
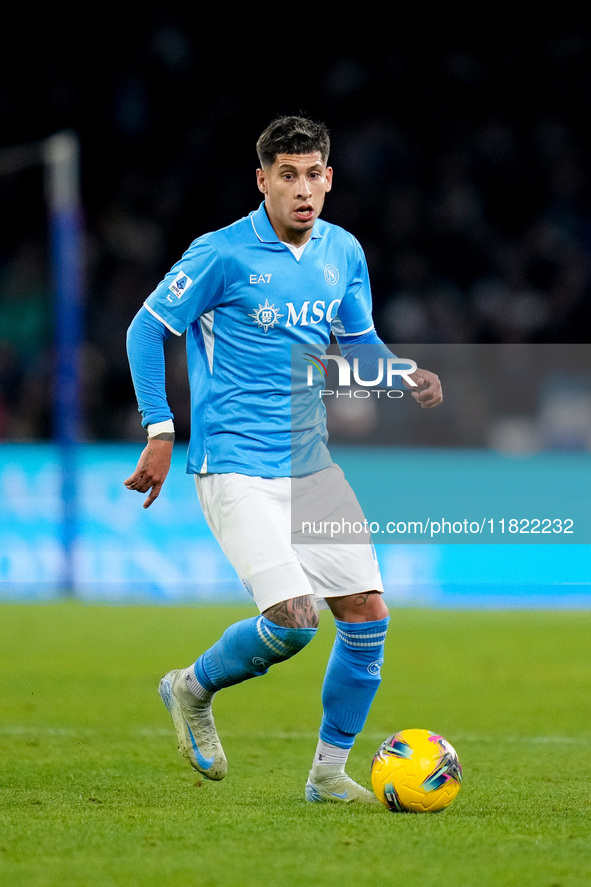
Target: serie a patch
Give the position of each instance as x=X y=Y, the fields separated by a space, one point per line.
x=180 y=284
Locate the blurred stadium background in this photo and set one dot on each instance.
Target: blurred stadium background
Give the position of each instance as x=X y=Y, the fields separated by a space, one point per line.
x=461 y=164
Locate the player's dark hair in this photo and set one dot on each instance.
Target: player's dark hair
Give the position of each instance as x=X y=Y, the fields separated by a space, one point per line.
x=292 y=135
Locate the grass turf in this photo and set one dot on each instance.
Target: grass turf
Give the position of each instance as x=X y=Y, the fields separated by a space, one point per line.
x=93 y=792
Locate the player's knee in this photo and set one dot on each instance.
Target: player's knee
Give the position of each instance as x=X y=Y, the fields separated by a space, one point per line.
x=368 y=606
x=297 y=612
x=283 y=642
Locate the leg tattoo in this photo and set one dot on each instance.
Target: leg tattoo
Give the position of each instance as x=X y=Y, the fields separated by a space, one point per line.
x=298 y=612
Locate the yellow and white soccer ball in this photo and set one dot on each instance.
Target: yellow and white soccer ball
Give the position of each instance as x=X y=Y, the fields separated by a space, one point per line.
x=416 y=771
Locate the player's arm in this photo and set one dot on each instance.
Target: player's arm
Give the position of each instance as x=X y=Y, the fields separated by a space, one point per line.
x=145 y=350
x=367 y=348
x=191 y=287
x=357 y=338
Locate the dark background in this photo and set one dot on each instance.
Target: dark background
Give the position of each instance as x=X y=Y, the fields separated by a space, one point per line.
x=461 y=158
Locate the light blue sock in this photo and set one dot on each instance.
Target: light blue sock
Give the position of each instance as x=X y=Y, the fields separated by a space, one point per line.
x=246 y=650
x=352 y=679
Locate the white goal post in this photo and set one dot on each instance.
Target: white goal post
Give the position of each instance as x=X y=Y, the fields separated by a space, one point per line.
x=59 y=156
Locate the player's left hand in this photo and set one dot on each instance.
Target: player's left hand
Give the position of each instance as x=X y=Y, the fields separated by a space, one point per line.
x=428 y=392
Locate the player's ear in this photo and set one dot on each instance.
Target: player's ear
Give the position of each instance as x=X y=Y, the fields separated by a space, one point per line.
x=261 y=181
x=328 y=175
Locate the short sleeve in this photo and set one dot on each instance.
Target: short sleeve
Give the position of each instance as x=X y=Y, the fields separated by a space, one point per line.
x=191 y=287
x=355 y=311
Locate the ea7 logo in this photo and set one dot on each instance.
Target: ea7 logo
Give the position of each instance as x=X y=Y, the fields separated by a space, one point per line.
x=260 y=278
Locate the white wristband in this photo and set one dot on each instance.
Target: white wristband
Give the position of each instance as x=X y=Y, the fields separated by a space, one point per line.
x=166 y=427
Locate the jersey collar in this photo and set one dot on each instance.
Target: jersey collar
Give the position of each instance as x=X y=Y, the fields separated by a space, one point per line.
x=264 y=229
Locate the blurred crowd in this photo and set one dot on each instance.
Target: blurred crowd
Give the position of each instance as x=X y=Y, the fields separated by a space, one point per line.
x=462 y=169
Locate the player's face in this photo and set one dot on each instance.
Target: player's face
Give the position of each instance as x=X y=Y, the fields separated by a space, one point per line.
x=295 y=187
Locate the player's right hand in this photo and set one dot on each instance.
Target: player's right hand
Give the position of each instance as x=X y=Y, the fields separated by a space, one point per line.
x=151 y=470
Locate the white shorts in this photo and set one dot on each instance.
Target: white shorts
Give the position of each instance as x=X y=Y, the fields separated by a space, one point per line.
x=252 y=518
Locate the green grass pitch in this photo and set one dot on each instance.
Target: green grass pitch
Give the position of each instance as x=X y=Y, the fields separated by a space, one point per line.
x=93 y=791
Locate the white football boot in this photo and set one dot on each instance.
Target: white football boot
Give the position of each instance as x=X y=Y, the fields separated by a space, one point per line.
x=195 y=727
x=329 y=782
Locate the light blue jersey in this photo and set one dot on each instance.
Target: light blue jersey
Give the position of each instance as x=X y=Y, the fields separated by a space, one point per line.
x=248 y=305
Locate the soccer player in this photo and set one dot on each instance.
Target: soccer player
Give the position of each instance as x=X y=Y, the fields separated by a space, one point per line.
x=246 y=296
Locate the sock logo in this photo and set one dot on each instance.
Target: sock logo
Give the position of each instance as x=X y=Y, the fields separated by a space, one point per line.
x=375 y=667
x=260 y=664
